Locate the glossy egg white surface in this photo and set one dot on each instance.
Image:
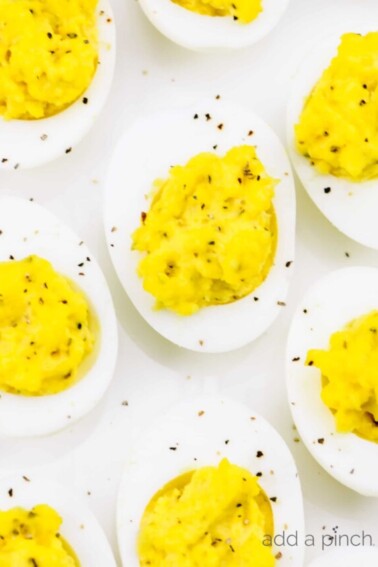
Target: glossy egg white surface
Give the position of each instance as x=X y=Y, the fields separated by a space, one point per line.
x=350 y=206
x=207 y=33
x=25 y=229
x=200 y=432
x=31 y=143
x=80 y=528
x=348 y=557
x=327 y=307
x=144 y=155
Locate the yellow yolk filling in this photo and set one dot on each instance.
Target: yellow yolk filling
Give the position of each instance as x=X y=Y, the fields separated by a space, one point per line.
x=210 y=235
x=244 y=11
x=32 y=539
x=45 y=328
x=338 y=127
x=48 y=55
x=213 y=517
x=349 y=371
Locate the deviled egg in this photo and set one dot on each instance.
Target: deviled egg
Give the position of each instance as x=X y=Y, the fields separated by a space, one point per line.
x=211 y=25
x=57 y=63
x=58 y=330
x=211 y=484
x=331 y=375
x=43 y=524
x=332 y=132
x=202 y=232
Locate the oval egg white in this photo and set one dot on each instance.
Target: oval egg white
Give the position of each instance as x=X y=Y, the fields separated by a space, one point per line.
x=80 y=528
x=198 y=433
x=327 y=307
x=347 y=557
x=27 y=229
x=207 y=33
x=31 y=143
x=349 y=206
x=144 y=155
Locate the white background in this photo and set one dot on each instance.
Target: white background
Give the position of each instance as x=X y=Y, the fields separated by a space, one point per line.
x=152 y=374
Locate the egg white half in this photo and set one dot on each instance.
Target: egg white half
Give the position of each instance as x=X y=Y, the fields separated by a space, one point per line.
x=147 y=151
x=80 y=528
x=207 y=33
x=348 y=557
x=31 y=143
x=327 y=307
x=350 y=206
x=27 y=228
x=199 y=433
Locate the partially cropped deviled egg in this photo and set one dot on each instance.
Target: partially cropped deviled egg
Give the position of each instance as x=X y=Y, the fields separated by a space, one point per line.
x=43 y=525
x=58 y=330
x=200 y=224
x=210 y=25
x=332 y=359
x=348 y=557
x=56 y=68
x=212 y=484
x=333 y=132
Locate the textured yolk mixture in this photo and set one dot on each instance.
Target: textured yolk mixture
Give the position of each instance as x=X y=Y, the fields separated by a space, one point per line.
x=210 y=234
x=45 y=328
x=214 y=517
x=338 y=127
x=48 y=55
x=245 y=11
x=350 y=379
x=32 y=539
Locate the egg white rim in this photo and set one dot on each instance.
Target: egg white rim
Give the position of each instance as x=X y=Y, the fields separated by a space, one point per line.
x=207 y=33
x=327 y=307
x=349 y=206
x=348 y=557
x=200 y=432
x=27 y=228
x=130 y=179
x=80 y=528
x=30 y=143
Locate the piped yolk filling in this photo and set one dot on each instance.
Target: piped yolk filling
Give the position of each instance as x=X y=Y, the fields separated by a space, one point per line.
x=46 y=328
x=32 y=539
x=210 y=235
x=48 y=55
x=338 y=126
x=244 y=11
x=213 y=517
x=349 y=371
